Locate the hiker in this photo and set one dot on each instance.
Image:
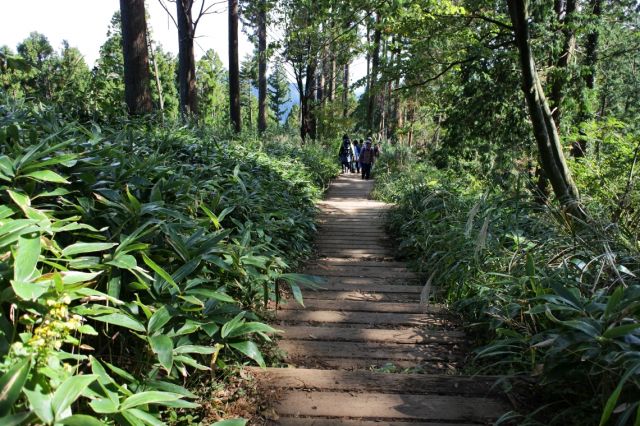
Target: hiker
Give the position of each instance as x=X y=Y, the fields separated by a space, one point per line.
x=345 y=154
x=355 y=164
x=366 y=159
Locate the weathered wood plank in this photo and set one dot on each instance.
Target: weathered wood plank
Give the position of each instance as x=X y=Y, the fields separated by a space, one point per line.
x=371 y=381
x=357 y=334
x=321 y=350
x=395 y=406
x=370 y=318
x=364 y=306
x=371 y=296
x=323 y=421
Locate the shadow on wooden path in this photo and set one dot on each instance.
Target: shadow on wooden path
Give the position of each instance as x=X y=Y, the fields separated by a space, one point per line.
x=364 y=351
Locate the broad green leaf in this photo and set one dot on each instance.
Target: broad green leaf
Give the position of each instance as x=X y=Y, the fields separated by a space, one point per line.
x=211 y=294
x=232 y=325
x=251 y=350
x=26 y=257
x=11 y=384
x=40 y=403
x=146 y=417
x=613 y=398
x=104 y=406
x=158 y=320
x=231 y=422
x=149 y=397
x=195 y=349
x=121 y=320
x=163 y=347
x=252 y=327
x=80 y=420
x=621 y=330
x=69 y=391
x=18 y=419
x=21 y=200
x=81 y=248
x=158 y=270
x=46 y=176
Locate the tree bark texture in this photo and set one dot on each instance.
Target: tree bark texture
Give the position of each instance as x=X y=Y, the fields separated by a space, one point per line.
x=373 y=77
x=136 y=57
x=345 y=91
x=592 y=44
x=308 y=113
x=186 y=59
x=544 y=129
x=262 y=66
x=234 y=68
x=565 y=11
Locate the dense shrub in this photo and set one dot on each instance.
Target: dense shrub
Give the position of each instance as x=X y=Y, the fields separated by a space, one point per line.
x=545 y=297
x=134 y=256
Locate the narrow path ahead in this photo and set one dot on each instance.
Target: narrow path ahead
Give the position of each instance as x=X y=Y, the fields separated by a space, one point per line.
x=364 y=351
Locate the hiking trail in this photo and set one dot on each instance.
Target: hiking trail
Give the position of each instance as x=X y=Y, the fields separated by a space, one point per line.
x=363 y=350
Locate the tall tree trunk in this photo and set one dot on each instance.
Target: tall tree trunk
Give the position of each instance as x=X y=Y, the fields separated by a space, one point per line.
x=544 y=129
x=308 y=117
x=373 y=77
x=345 y=91
x=234 y=68
x=565 y=11
x=156 y=73
x=332 y=77
x=262 y=66
x=186 y=60
x=592 y=44
x=136 y=57
x=303 y=106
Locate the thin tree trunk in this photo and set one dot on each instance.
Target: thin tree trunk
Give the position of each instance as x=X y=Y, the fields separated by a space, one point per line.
x=332 y=77
x=136 y=57
x=565 y=13
x=308 y=117
x=156 y=74
x=186 y=60
x=345 y=91
x=373 y=77
x=234 y=68
x=544 y=129
x=592 y=44
x=262 y=66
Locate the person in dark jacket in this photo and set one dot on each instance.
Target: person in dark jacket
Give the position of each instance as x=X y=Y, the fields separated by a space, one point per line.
x=367 y=157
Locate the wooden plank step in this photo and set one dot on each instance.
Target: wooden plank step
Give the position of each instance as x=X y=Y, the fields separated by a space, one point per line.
x=370 y=318
x=393 y=406
x=389 y=284
x=371 y=381
x=345 y=262
x=324 y=421
x=323 y=351
x=335 y=252
x=370 y=296
x=360 y=271
x=363 y=306
x=430 y=366
x=404 y=336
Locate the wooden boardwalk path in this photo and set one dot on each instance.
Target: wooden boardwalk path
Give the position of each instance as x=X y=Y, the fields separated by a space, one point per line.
x=364 y=351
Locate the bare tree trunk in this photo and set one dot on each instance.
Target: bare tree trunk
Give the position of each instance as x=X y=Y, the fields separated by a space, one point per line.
x=262 y=66
x=156 y=74
x=373 y=77
x=136 y=57
x=544 y=129
x=234 y=68
x=332 y=77
x=565 y=11
x=592 y=44
x=186 y=60
x=308 y=117
x=345 y=91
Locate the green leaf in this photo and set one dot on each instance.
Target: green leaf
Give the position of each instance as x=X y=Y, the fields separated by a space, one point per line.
x=40 y=404
x=158 y=320
x=231 y=422
x=124 y=261
x=163 y=274
x=69 y=391
x=104 y=406
x=11 y=384
x=211 y=294
x=46 y=176
x=621 y=330
x=26 y=258
x=121 y=320
x=231 y=325
x=80 y=248
x=251 y=350
x=146 y=417
x=252 y=327
x=80 y=420
x=149 y=397
x=195 y=349
x=613 y=398
x=18 y=419
x=163 y=347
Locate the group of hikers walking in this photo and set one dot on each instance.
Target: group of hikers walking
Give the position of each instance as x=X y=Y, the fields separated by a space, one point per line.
x=358 y=156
